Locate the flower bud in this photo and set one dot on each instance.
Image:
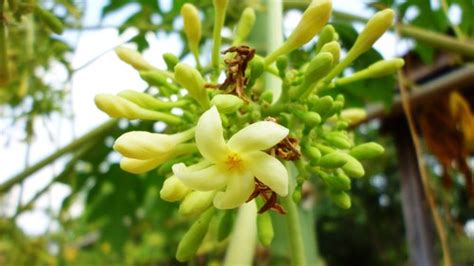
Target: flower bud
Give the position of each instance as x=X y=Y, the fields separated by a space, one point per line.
x=226 y=223
x=173 y=189
x=335 y=181
x=324 y=149
x=334 y=48
x=378 y=69
x=332 y=160
x=245 y=25
x=257 y=67
x=118 y=107
x=328 y=34
x=193 y=238
x=171 y=61
x=341 y=199
x=353 y=167
x=353 y=115
x=196 y=202
x=265 y=229
x=310 y=119
x=314 y=18
x=138 y=166
x=192 y=81
x=157 y=79
x=227 y=103
x=323 y=105
x=367 y=151
x=133 y=58
x=145 y=100
x=313 y=154
x=317 y=69
x=192 y=27
x=338 y=140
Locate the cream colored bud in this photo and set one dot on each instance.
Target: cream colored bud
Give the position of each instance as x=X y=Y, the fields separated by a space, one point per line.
x=353 y=115
x=196 y=202
x=227 y=103
x=137 y=166
x=173 y=189
x=334 y=48
x=193 y=82
x=245 y=25
x=313 y=20
x=133 y=58
x=144 y=145
x=376 y=70
x=192 y=26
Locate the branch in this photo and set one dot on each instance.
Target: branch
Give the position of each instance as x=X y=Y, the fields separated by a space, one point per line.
x=98 y=131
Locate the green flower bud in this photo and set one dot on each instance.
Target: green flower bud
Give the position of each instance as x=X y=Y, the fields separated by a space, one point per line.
x=341 y=125
x=323 y=105
x=324 y=149
x=338 y=140
x=118 y=107
x=245 y=25
x=191 y=241
x=332 y=160
x=314 y=18
x=226 y=223
x=265 y=229
x=133 y=58
x=173 y=189
x=282 y=64
x=267 y=96
x=353 y=115
x=227 y=103
x=353 y=167
x=157 y=79
x=328 y=34
x=341 y=199
x=257 y=67
x=335 y=108
x=192 y=27
x=317 y=69
x=367 y=151
x=336 y=181
x=310 y=119
x=196 y=202
x=313 y=154
x=171 y=60
x=378 y=69
x=192 y=81
x=220 y=7
x=146 y=101
x=334 y=48
x=53 y=23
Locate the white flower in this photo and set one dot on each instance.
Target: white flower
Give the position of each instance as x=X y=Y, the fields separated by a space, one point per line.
x=235 y=163
x=144 y=151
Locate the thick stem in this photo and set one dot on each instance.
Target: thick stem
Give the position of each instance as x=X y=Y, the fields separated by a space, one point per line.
x=294 y=232
x=242 y=244
x=99 y=131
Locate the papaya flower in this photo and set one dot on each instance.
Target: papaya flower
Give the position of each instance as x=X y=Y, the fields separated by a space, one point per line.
x=235 y=164
x=144 y=151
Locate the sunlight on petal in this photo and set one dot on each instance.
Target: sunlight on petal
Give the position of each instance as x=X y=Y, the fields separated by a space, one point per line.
x=239 y=188
x=209 y=136
x=210 y=178
x=268 y=170
x=258 y=136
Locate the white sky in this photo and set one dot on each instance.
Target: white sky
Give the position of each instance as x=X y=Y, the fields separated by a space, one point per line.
x=106 y=75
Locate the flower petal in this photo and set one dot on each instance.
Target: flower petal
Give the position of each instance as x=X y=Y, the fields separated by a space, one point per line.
x=258 y=136
x=239 y=188
x=144 y=145
x=173 y=189
x=210 y=178
x=209 y=136
x=268 y=170
x=137 y=166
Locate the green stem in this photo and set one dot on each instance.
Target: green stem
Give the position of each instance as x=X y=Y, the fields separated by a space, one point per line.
x=294 y=232
x=242 y=244
x=216 y=36
x=273 y=27
x=97 y=132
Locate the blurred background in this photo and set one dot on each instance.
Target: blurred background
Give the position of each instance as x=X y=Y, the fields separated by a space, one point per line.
x=65 y=201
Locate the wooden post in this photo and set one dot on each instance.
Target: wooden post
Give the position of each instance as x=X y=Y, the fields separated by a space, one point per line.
x=418 y=224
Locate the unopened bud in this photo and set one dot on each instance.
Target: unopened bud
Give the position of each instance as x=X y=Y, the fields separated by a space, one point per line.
x=144 y=100
x=332 y=160
x=171 y=61
x=157 y=79
x=227 y=103
x=313 y=154
x=118 y=107
x=367 y=151
x=313 y=20
x=133 y=58
x=265 y=229
x=193 y=238
x=334 y=48
x=336 y=181
x=192 y=80
x=226 y=223
x=173 y=189
x=196 y=202
x=378 y=69
x=353 y=115
x=353 y=167
x=310 y=119
x=138 y=166
x=316 y=70
x=341 y=199
x=257 y=67
x=323 y=105
x=53 y=22
x=245 y=25
x=328 y=34
x=338 y=140
x=192 y=26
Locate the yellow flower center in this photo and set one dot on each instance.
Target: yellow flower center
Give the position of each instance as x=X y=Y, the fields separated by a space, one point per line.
x=234 y=162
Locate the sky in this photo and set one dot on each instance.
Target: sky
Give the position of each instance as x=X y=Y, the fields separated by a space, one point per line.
x=104 y=75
